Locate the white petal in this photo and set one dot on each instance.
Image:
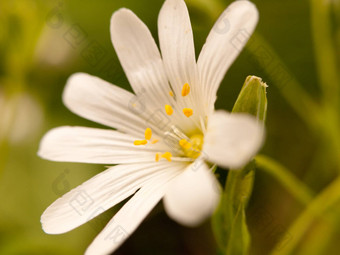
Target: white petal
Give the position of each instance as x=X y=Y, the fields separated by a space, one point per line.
x=140 y=57
x=131 y=214
x=193 y=195
x=225 y=41
x=92 y=145
x=99 y=194
x=232 y=139
x=176 y=42
x=102 y=102
x=178 y=52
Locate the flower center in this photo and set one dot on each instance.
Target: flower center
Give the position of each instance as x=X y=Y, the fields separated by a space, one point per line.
x=193 y=147
x=180 y=144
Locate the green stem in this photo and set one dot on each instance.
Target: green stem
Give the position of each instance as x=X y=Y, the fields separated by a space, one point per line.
x=321 y=204
x=325 y=50
x=297 y=188
x=4 y=154
x=313 y=244
x=326 y=53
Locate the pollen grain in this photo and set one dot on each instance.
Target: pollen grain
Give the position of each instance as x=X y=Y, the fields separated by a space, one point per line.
x=187 y=112
x=148 y=133
x=168 y=109
x=185 y=90
x=157 y=157
x=154 y=141
x=167 y=155
x=185 y=144
x=140 y=142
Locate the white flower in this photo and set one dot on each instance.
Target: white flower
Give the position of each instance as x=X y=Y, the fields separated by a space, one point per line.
x=166 y=135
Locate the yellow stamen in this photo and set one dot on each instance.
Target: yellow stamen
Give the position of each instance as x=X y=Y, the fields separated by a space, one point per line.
x=187 y=112
x=171 y=93
x=167 y=155
x=140 y=142
x=196 y=141
x=148 y=133
x=185 y=90
x=185 y=144
x=157 y=157
x=154 y=141
x=168 y=109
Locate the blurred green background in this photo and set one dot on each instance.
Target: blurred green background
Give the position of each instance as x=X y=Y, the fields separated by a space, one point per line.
x=43 y=42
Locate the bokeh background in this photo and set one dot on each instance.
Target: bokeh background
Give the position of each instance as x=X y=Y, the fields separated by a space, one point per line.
x=43 y=42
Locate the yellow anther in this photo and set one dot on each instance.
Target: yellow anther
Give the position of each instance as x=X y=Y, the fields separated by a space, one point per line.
x=185 y=90
x=167 y=155
x=157 y=157
x=187 y=112
x=148 y=133
x=154 y=141
x=140 y=142
x=197 y=144
x=171 y=93
x=168 y=109
x=185 y=144
x=192 y=148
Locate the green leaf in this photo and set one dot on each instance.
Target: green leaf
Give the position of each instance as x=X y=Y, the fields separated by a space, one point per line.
x=239 y=239
x=229 y=222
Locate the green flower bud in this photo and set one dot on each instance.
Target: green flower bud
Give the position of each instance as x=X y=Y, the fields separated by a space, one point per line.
x=252 y=98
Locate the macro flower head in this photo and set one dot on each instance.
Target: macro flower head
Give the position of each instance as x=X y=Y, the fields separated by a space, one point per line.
x=168 y=136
